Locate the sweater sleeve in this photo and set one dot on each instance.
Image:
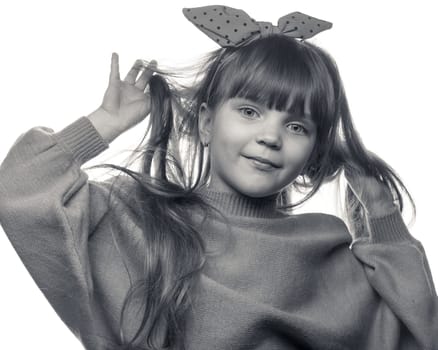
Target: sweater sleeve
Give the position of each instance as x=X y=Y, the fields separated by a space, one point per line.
x=398 y=270
x=48 y=209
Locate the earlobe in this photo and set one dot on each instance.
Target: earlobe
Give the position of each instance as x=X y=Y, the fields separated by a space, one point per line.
x=204 y=123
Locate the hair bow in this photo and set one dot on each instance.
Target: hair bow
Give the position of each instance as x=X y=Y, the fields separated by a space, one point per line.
x=232 y=27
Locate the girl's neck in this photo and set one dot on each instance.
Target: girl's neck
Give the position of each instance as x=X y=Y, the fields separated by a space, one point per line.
x=237 y=204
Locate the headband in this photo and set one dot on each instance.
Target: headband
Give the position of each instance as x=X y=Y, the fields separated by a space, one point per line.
x=231 y=27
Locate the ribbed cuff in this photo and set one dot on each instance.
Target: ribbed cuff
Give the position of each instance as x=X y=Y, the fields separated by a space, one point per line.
x=82 y=139
x=389 y=228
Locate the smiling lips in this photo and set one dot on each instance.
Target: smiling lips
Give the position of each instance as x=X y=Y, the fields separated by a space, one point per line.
x=264 y=161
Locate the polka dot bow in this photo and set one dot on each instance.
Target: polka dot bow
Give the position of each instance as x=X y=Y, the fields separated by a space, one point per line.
x=232 y=27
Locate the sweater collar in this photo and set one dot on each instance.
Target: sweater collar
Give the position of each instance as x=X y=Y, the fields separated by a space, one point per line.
x=236 y=204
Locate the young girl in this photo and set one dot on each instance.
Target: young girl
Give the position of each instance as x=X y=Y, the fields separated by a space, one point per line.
x=200 y=248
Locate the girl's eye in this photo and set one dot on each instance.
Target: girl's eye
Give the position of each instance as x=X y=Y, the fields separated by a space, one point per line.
x=248 y=112
x=297 y=128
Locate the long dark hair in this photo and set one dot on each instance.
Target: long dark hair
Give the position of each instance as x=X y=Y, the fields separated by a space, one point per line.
x=277 y=71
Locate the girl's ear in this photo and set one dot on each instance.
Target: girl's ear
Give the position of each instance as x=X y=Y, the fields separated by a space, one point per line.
x=205 y=123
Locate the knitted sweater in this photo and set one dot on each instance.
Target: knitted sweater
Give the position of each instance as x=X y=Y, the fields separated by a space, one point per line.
x=285 y=282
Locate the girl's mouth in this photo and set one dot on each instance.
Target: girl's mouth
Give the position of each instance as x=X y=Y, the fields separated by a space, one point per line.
x=261 y=165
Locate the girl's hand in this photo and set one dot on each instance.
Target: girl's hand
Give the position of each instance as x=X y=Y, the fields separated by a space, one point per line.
x=125 y=102
x=374 y=195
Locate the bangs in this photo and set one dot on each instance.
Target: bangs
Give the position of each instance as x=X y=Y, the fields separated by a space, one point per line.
x=276 y=73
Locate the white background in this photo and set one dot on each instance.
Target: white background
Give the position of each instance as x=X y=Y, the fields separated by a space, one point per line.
x=54 y=67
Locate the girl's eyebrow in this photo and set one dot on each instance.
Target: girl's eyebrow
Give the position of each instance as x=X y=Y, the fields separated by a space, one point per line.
x=244 y=100
x=306 y=117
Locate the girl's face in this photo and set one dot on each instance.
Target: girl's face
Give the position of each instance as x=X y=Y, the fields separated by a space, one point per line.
x=239 y=130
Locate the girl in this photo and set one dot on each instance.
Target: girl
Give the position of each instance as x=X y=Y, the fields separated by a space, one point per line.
x=200 y=248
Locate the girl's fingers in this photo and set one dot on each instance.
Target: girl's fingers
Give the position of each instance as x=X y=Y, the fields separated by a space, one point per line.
x=138 y=66
x=115 y=73
x=133 y=72
x=146 y=75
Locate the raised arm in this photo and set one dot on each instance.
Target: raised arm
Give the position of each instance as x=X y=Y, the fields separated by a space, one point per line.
x=49 y=208
x=396 y=266
x=398 y=270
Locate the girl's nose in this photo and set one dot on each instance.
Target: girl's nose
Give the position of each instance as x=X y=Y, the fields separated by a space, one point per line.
x=271 y=139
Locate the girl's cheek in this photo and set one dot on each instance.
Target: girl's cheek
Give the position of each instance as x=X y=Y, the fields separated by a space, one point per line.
x=298 y=149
